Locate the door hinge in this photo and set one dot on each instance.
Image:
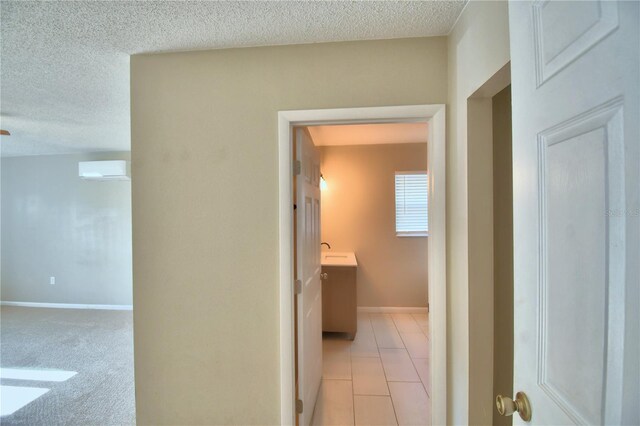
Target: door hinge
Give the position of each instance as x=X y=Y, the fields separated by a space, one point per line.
x=298 y=286
x=299 y=406
x=297 y=167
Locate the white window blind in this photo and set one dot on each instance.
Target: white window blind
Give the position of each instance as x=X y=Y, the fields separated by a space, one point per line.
x=412 y=218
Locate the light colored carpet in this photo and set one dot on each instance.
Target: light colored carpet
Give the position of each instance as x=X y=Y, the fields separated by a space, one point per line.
x=96 y=344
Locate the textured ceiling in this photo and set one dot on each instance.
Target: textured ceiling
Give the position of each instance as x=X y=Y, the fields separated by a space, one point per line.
x=369 y=134
x=64 y=70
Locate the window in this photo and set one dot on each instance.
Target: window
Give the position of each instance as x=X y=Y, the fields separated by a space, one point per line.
x=412 y=214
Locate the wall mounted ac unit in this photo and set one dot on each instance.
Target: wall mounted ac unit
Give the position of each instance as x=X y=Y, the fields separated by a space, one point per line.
x=103 y=170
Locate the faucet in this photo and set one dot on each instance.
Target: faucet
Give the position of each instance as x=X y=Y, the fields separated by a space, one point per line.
x=326 y=244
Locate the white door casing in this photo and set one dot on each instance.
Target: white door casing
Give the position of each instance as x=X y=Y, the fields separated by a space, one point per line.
x=576 y=155
x=435 y=115
x=308 y=273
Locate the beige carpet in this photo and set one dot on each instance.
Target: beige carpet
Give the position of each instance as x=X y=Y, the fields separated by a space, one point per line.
x=96 y=344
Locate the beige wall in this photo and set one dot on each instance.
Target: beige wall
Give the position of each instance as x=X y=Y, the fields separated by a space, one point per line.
x=358 y=214
x=205 y=209
x=502 y=250
x=478 y=47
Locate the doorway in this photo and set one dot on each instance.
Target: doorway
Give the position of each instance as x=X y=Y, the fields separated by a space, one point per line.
x=491 y=242
x=374 y=363
x=502 y=250
x=434 y=116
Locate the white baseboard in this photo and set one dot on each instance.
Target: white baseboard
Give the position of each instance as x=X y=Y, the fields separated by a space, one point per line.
x=393 y=310
x=68 y=306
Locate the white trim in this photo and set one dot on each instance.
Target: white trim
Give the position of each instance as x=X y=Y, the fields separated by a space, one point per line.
x=435 y=116
x=412 y=234
x=411 y=172
x=437 y=270
x=393 y=309
x=68 y=306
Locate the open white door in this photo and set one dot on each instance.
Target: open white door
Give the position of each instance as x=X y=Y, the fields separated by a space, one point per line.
x=576 y=153
x=308 y=269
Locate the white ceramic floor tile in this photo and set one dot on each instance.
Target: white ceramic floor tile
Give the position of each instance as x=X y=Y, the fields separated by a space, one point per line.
x=421 y=319
x=423 y=322
x=411 y=404
x=335 y=404
x=336 y=359
x=368 y=377
x=374 y=410
x=377 y=386
x=364 y=345
x=364 y=323
x=385 y=331
x=405 y=323
x=417 y=344
x=422 y=367
x=336 y=343
x=398 y=366
x=425 y=329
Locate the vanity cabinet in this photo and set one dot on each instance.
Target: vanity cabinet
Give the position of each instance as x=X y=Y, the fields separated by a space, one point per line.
x=339 y=301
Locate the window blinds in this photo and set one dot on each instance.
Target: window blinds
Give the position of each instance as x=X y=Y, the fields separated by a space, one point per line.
x=412 y=203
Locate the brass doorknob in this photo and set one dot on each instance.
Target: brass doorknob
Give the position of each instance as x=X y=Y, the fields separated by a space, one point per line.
x=507 y=406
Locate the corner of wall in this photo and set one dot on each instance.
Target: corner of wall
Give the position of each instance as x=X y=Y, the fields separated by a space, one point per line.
x=478 y=47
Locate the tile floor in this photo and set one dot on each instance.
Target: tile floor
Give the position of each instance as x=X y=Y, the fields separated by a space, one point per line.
x=380 y=378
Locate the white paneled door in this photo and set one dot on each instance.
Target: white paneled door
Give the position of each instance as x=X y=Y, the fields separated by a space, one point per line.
x=308 y=268
x=576 y=155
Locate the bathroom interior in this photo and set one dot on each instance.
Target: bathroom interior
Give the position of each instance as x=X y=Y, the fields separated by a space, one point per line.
x=373 y=279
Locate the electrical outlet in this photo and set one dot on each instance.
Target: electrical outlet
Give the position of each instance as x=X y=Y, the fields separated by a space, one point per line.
x=52 y=280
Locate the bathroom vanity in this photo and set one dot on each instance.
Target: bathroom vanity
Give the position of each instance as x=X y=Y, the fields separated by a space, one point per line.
x=339 y=297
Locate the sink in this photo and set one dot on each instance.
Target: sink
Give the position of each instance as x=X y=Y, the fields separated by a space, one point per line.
x=338 y=259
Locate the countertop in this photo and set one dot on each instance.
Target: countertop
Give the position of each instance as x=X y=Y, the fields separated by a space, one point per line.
x=331 y=258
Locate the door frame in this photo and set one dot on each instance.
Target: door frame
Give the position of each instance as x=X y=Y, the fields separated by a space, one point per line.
x=480 y=228
x=434 y=115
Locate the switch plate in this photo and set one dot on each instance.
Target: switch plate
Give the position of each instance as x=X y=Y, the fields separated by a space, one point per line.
x=52 y=280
